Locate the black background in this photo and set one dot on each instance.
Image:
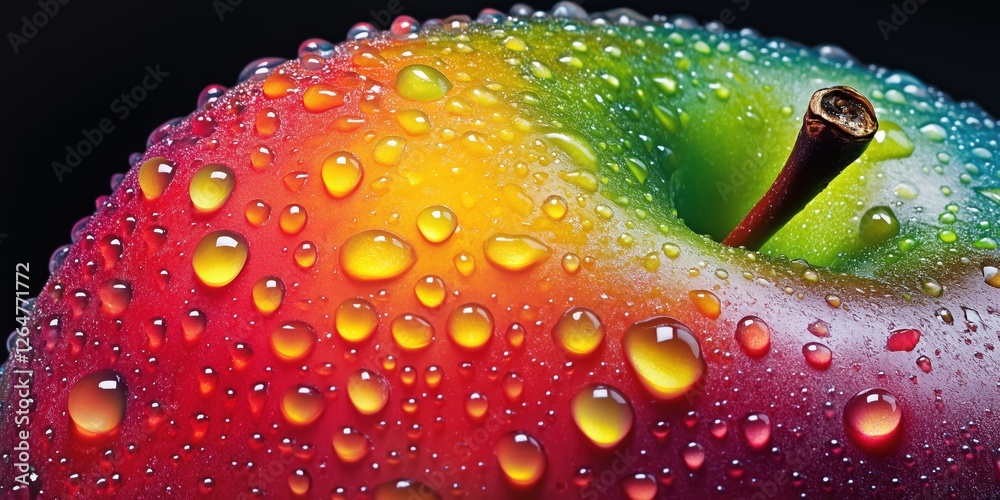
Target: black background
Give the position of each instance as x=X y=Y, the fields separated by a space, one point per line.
x=66 y=77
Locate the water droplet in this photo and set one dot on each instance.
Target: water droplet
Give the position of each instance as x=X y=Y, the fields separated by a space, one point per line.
x=903 y=340
x=208 y=378
x=388 y=150
x=890 y=142
x=693 y=455
x=302 y=405
x=579 y=331
x=521 y=458
x=603 y=414
x=350 y=445
x=514 y=252
x=342 y=173
x=513 y=386
x=817 y=355
x=671 y=250
x=931 y=287
x=155 y=175
x=404 y=489
x=210 y=187
x=470 y=326
x=321 y=97
x=305 y=255
x=706 y=302
x=292 y=219
x=436 y=223
x=991 y=275
x=576 y=148
x=639 y=486
x=97 y=402
x=555 y=207
x=376 y=255
x=257 y=212
x=571 y=263
x=261 y=158
x=430 y=291
x=873 y=420
x=293 y=341
x=268 y=293
x=355 y=320
x=368 y=391
x=411 y=332
x=476 y=406
x=219 y=258
x=192 y=327
x=465 y=264
x=421 y=83
x=877 y=225
x=756 y=430
x=414 y=121
x=115 y=296
x=753 y=336
x=924 y=363
x=665 y=355
x=267 y=122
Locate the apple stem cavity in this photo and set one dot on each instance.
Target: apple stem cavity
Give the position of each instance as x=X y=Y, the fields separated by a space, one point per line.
x=837 y=127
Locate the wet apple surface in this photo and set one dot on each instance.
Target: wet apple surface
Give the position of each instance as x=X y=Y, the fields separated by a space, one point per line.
x=480 y=258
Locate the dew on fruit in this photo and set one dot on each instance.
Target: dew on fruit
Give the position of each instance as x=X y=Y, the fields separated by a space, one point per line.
x=404 y=489
x=342 y=173
x=931 y=287
x=433 y=376
x=521 y=458
x=718 y=428
x=991 y=275
x=639 y=486
x=376 y=255
x=603 y=414
x=292 y=219
x=430 y=291
x=476 y=406
x=671 y=250
x=555 y=207
x=513 y=386
x=465 y=264
x=242 y=355
x=355 y=320
x=753 y=336
x=756 y=430
x=115 y=296
x=579 y=331
x=192 y=327
x=414 y=121
x=571 y=263
x=514 y=252
x=873 y=420
x=833 y=300
x=208 y=378
x=890 y=142
x=388 y=150
x=155 y=175
x=219 y=257
x=321 y=97
x=470 y=326
x=293 y=340
x=268 y=293
x=877 y=225
x=693 y=455
x=817 y=355
x=257 y=212
x=421 y=83
x=665 y=355
x=924 y=363
x=210 y=187
x=574 y=147
x=97 y=403
x=819 y=328
x=368 y=391
x=411 y=332
x=436 y=223
x=706 y=302
x=305 y=254
x=903 y=340
x=906 y=191
x=350 y=445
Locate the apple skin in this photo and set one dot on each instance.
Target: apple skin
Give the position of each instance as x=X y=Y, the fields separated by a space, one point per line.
x=720 y=109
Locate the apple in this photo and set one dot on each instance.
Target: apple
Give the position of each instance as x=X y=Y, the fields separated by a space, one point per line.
x=484 y=258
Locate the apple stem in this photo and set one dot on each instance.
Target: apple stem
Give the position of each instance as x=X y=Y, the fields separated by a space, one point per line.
x=837 y=127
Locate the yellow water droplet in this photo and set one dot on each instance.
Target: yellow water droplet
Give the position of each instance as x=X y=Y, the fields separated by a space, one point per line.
x=342 y=173
x=97 y=402
x=155 y=175
x=277 y=85
x=671 y=250
x=412 y=332
x=890 y=142
x=465 y=264
x=436 y=223
x=421 y=83
x=261 y=158
x=292 y=219
x=430 y=291
x=257 y=212
x=475 y=144
x=293 y=341
x=582 y=179
x=299 y=482
x=268 y=293
x=555 y=207
x=514 y=252
x=321 y=97
x=414 y=121
x=368 y=391
x=651 y=262
x=476 y=406
x=350 y=445
x=388 y=150
x=355 y=320
x=706 y=302
x=305 y=255
x=219 y=258
x=571 y=263
x=579 y=331
x=470 y=326
x=515 y=43
x=665 y=355
x=376 y=255
x=576 y=148
x=210 y=187
x=521 y=458
x=302 y=405
x=603 y=414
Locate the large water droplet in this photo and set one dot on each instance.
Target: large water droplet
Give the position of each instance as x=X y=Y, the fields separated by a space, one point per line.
x=342 y=173
x=753 y=336
x=268 y=293
x=411 y=332
x=817 y=355
x=368 y=391
x=873 y=420
x=421 y=83
x=603 y=414
x=878 y=224
x=521 y=458
x=293 y=341
x=756 y=428
x=404 y=489
x=436 y=223
x=350 y=445
x=302 y=404
x=430 y=291
x=355 y=320
x=665 y=355
x=514 y=252
x=97 y=402
x=376 y=255
x=219 y=257
x=470 y=326
x=210 y=187
x=706 y=302
x=903 y=340
x=155 y=175
x=579 y=331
